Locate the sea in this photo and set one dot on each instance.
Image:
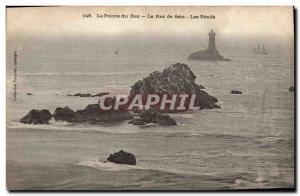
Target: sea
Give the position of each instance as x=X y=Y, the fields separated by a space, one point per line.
x=246 y=144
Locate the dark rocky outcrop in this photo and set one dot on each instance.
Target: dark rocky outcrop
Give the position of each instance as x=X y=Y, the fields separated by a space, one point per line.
x=64 y=114
x=37 y=117
x=292 y=89
x=175 y=79
x=92 y=114
x=100 y=94
x=236 y=92
x=83 y=95
x=122 y=157
x=165 y=120
x=207 y=55
x=152 y=116
x=88 y=94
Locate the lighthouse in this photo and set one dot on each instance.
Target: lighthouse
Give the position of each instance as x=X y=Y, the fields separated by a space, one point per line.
x=211 y=53
x=211 y=41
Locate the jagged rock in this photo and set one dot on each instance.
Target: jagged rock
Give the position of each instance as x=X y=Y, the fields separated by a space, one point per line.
x=236 y=92
x=292 y=89
x=92 y=114
x=92 y=109
x=37 y=117
x=175 y=79
x=152 y=116
x=64 y=114
x=122 y=157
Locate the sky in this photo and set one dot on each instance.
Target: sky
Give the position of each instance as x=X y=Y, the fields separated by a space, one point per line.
x=69 y=21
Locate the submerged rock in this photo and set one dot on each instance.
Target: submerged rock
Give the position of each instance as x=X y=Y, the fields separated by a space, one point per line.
x=88 y=94
x=152 y=116
x=175 y=79
x=83 y=95
x=236 y=92
x=100 y=94
x=37 y=117
x=292 y=89
x=122 y=157
x=29 y=94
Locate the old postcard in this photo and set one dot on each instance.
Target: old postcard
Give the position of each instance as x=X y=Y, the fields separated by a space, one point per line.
x=150 y=98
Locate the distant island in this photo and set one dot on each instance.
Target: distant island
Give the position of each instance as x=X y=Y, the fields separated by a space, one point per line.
x=211 y=53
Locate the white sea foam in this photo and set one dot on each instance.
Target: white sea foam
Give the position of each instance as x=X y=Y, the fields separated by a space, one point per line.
x=271 y=139
x=108 y=166
x=66 y=126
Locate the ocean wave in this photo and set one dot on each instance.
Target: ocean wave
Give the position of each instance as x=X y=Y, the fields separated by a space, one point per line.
x=271 y=139
x=107 y=166
x=227 y=136
x=107 y=128
x=123 y=128
x=158 y=174
x=268 y=142
x=66 y=126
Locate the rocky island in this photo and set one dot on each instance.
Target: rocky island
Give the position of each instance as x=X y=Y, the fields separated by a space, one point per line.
x=122 y=157
x=211 y=53
x=37 y=117
x=175 y=79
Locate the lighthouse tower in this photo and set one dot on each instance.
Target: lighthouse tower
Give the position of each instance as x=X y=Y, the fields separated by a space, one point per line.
x=211 y=42
x=211 y=53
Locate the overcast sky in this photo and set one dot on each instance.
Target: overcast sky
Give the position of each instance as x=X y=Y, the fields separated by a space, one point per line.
x=68 y=21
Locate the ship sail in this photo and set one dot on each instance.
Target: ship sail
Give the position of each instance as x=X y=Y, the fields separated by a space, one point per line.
x=263 y=47
x=260 y=49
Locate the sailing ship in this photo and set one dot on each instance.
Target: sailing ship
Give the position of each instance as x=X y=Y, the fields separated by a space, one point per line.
x=260 y=49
